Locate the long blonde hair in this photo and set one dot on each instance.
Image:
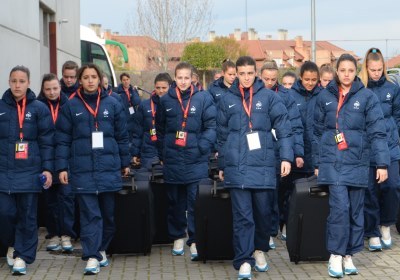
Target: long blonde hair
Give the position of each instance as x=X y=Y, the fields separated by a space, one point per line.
x=373 y=54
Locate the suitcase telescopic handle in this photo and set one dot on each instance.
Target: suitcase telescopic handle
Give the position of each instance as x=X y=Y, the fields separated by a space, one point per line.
x=134 y=187
x=318 y=191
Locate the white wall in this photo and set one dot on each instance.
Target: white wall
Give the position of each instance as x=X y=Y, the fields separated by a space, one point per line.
x=22 y=42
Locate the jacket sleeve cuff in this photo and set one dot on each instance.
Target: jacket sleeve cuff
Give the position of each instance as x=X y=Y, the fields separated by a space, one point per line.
x=381 y=167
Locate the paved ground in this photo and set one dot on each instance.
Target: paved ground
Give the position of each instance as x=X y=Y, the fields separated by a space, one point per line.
x=161 y=265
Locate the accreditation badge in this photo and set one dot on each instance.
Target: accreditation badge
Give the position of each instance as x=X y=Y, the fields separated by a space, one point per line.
x=253 y=141
x=131 y=110
x=97 y=140
x=21 y=150
x=153 y=135
x=340 y=141
x=181 y=138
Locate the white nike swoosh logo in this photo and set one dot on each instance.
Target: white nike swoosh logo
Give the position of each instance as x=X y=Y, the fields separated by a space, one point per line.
x=148 y=111
x=78 y=114
x=2 y=113
x=218 y=94
x=230 y=106
x=327 y=103
x=169 y=109
x=298 y=104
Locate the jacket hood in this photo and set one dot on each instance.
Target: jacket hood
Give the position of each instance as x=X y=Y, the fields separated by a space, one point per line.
x=298 y=86
x=68 y=90
x=378 y=83
x=9 y=98
x=355 y=86
x=257 y=86
x=185 y=94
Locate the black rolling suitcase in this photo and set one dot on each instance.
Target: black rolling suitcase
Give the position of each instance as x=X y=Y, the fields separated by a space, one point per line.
x=159 y=190
x=306 y=227
x=398 y=222
x=133 y=216
x=213 y=222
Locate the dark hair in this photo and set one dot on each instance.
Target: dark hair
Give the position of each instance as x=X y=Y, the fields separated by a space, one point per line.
x=346 y=57
x=70 y=65
x=163 y=77
x=124 y=74
x=184 y=65
x=90 y=66
x=244 y=61
x=227 y=64
x=289 y=74
x=269 y=65
x=47 y=78
x=22 y=69
x=310 y=67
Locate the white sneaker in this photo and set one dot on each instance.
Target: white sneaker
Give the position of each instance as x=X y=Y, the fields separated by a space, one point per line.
x=10 y=256
x=374 y=244
x=261 y=262
x=92 y=267
x=53 y=244
x=272 y=243
x=349 y=268
x=19 y=267
x=193 y=252
x=283 y=233
x=335 y=268
x=104 y=262
x=66 y=244
x=245 y=271
x=386 y=238
x=178 y=249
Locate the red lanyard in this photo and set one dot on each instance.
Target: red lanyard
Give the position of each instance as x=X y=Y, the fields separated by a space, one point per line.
x=247 y=109
x=54 y=112
x=153 y=111
x=340 y=104
x=94 y=113
x=184 y=110
x=128 y=95
x=21 y=114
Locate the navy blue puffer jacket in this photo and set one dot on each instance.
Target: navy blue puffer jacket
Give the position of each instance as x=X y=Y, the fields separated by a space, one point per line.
x=361 y=120
x=21 y=176
x=218 y=89
x=63 y=101
x=68 y=91
x=305 y=101
x=92 y=170
x=184 y=165
x=132 y=101
x=389 y=97
x=142 y=146
x=244 y=168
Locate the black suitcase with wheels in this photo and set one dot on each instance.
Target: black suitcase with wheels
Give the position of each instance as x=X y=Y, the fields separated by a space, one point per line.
x=306 y=227
x=213 y=222
x=398 y=222
x=133 y=216
x=159 y=190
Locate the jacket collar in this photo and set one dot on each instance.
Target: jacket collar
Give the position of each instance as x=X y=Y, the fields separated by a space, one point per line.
x=185 y=95
x=357 y=85
x=257 y=86
x=9 y=98
x=378 y=83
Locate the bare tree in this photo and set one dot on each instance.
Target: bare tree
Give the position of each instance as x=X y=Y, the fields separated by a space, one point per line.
x=170 y=21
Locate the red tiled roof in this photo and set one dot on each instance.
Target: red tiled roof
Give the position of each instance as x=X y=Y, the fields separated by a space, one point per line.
x=394 y=61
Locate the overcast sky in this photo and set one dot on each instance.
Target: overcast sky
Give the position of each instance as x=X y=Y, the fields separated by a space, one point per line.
x=351 y=24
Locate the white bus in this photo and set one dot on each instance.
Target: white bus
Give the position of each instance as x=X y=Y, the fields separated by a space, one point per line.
x=93 y=51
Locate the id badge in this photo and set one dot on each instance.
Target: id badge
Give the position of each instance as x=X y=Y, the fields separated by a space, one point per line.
x=131 y=110
x=181 y=138
x=341 y=141
x=253 y=141
x=153 y=135
x=97 y=140
x=21 y=150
